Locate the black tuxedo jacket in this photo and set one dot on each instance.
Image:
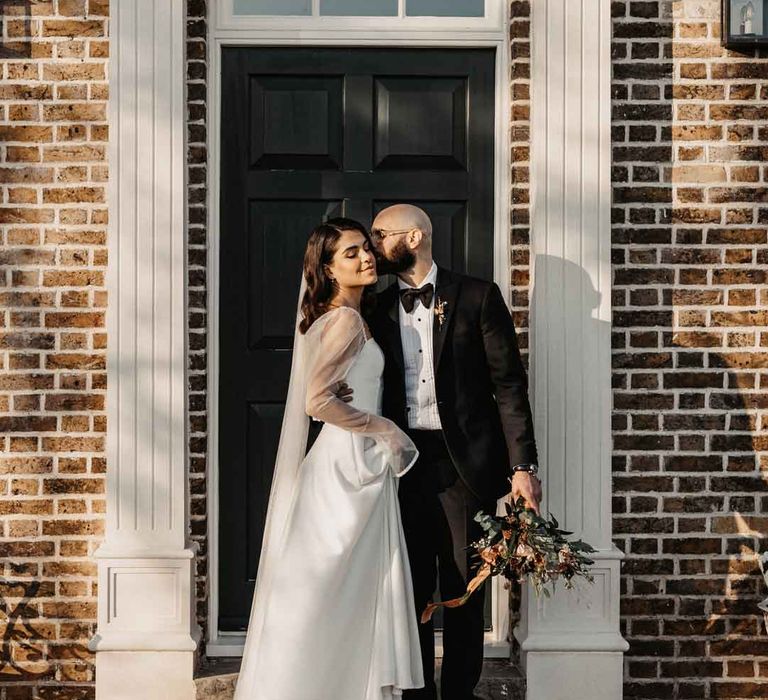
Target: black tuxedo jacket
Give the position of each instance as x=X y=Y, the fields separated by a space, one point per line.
x=480 y=381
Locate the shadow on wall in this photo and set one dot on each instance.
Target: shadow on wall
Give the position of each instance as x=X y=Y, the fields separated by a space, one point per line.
x=15 y=21
x=20 y=639
x=574 y=337
x=23 y=656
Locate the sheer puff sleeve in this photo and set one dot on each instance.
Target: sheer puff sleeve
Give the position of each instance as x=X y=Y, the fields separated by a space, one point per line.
x=336 y=339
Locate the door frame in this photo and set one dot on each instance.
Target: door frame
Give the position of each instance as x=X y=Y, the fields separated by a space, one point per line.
x=344 y=32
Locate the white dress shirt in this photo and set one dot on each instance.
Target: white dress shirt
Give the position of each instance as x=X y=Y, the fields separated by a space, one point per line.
x=416 y=334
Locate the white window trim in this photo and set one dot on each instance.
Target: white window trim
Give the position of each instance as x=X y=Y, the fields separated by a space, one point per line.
x=225 y=20
x=225 y=29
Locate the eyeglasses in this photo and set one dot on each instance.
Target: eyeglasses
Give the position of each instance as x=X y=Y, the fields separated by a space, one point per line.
x=380 y=234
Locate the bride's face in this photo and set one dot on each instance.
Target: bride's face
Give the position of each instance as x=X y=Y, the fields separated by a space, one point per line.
x=353 y=264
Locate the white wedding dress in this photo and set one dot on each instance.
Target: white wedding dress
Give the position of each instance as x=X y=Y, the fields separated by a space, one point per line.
x=333 y=615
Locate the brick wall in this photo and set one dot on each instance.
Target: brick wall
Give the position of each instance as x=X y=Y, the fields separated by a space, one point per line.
x=53 y=140
x=197 y=363
x=690 y=142
x=520 y=50
x=520 y=239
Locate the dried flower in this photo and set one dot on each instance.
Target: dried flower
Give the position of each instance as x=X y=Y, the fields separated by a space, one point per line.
x=520 y=545
x=440 y=307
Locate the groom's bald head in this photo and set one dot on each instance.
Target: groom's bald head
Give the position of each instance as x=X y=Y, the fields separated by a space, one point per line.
x=400 y=217
x=402 y=236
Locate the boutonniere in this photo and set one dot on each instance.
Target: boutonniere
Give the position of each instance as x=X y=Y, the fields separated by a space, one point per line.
x=440 y=307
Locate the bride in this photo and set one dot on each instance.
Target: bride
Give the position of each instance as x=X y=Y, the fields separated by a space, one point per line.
x=333 y=616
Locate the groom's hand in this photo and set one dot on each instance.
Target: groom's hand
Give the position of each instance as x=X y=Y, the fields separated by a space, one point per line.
x=344 y=392
x=528 y=486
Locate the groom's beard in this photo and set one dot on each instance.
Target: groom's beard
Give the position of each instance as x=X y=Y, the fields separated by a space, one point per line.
x=400 y=260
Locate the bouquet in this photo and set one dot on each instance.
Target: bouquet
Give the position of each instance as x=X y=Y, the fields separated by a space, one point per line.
x=522 y=544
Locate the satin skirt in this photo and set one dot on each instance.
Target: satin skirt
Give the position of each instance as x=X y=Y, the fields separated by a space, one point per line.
x=340 y=623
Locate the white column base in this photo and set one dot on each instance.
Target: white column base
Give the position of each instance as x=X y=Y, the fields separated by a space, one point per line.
x=565 y=675
x=571 y=645
x=149 y=675
x=145 y=602
x=147 y=635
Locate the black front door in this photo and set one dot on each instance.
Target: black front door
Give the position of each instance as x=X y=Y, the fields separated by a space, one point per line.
x=308 y=134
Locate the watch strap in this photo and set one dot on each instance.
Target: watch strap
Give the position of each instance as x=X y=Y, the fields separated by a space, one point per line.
x=530 y=468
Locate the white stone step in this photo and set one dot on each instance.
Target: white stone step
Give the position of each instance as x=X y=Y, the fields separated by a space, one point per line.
x=501 y=680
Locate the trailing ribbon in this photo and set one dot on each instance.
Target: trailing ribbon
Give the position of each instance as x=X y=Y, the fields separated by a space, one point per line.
x=472 y=586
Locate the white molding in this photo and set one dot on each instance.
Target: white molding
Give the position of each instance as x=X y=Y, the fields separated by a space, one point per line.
x=108 y=552
x=213 y=151
x=570 y=343
x=225 y=21
x=146 y=593
x=141 y=642
x=362 y=32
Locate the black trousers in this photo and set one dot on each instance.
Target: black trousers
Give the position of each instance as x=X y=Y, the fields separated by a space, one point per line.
x=437 y=513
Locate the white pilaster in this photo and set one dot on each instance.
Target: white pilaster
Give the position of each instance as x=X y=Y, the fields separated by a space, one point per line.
x=571 y=643
x=146 y=634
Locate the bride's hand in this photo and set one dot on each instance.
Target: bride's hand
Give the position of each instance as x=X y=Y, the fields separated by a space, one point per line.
x=528 y=486
x=344 y=392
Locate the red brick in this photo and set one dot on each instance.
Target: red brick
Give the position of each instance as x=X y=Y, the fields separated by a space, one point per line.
x=73 y=527
x=73 y=485
x=72 y=28
x=735 y=691
x=27 y=424
x=34 y=134
x=74 y=112
x=740 y=318
x=62 y=610
x=74 y=402
x=26 y=548
x=60 y=71
x=74 y=320
x=31 y=215
x=73 y=195
x=728 y=236
x=73 y=360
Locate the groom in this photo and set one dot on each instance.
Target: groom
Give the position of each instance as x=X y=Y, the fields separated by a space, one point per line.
x=454 y=381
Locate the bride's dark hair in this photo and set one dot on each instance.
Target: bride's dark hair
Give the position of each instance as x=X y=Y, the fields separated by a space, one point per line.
x=320 y=287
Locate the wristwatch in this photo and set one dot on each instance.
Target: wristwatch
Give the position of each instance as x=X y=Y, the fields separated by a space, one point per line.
x=530 y=468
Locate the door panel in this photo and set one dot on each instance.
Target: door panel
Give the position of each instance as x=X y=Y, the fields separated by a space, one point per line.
x=264 y=421
x=421 y=123
x=308 y=134
x=296 y=122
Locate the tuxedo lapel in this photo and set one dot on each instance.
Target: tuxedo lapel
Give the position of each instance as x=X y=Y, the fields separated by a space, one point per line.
x=446 y=293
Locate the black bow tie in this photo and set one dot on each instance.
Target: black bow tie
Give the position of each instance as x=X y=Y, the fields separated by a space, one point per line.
x=409 y=296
